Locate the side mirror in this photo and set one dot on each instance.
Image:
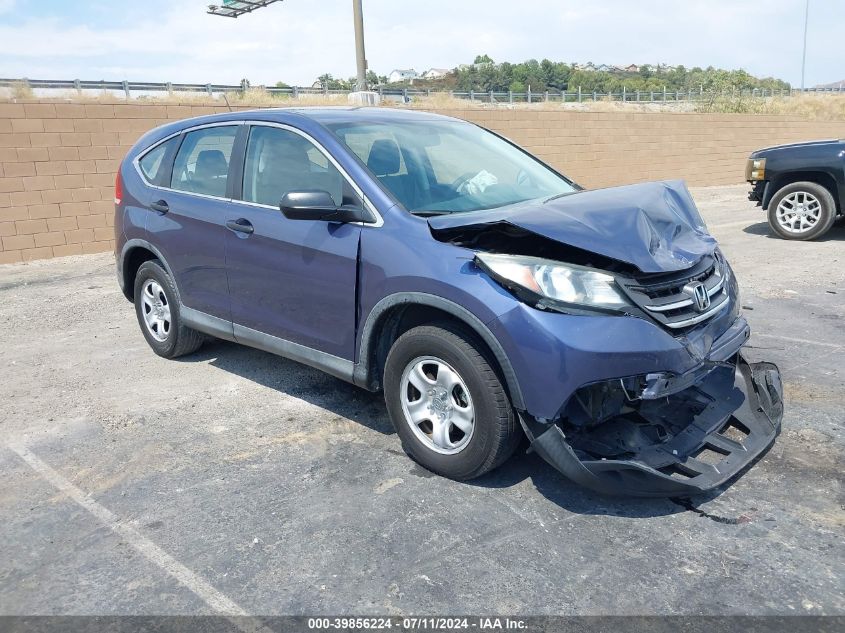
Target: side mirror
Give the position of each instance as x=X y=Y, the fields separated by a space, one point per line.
x=314 y=204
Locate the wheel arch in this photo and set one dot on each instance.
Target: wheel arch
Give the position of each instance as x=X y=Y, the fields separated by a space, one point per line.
x=822 y=178
x=397 y=313
x=135 y=252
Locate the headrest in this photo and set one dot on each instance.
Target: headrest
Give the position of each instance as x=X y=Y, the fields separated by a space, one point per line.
x=383 y=158
x=211 y=162
x=287 y=155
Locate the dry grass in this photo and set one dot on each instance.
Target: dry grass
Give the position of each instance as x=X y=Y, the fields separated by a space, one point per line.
x=825 y=107
x=21 y=90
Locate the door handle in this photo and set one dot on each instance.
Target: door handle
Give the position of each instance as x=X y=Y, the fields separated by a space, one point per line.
x=161 y=206
x=241 y=225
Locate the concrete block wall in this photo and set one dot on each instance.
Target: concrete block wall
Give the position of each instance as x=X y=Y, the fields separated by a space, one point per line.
x=58 y=159
x=603 y=149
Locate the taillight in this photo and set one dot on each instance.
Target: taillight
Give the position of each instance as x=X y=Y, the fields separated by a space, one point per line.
x=118 y=188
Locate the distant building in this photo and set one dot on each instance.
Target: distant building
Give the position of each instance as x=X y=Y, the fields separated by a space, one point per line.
x=397 y=75
x=633 y=68
x=435 y=73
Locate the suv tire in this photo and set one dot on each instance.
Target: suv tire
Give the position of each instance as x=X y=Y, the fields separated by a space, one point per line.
x=794 y=193
x=456 y=378
x=157 y=309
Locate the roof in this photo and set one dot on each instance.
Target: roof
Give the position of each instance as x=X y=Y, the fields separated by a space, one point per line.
x=321 y=115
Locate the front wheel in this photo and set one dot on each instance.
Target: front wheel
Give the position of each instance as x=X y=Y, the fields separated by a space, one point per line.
x=447 y=403
x=802 y=211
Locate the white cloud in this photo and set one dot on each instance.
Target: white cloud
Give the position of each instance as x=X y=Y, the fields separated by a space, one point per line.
x=296 y=40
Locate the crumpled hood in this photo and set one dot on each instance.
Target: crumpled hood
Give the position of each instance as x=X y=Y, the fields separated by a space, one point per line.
x=654 y=226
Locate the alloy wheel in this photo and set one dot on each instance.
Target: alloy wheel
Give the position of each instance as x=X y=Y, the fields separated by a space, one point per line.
x=156 y=310
x=798 y=212
x=437 y=405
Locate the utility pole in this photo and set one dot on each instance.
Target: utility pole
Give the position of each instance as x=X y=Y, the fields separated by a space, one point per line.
x=360 y=57
x=804 y=54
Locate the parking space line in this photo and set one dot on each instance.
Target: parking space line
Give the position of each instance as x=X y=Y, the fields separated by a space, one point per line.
x=200 y=587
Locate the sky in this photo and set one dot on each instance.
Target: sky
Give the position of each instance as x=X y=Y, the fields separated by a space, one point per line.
x=295 y=41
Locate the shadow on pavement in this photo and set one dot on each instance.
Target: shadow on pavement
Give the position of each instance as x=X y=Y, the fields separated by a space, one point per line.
x=837 y=232
x=368 y=409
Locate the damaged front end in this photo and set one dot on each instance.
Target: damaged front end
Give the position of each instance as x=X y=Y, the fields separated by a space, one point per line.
x=616 y=441
x=635 y=383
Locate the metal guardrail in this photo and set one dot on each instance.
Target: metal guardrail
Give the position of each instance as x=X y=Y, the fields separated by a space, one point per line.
x=127 y=88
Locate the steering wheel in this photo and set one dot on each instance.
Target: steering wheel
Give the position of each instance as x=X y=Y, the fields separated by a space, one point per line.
x=461 y=180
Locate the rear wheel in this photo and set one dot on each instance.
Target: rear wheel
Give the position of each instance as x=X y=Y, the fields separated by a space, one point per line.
x=802 y=211
x=157 y=309
x=447 y=403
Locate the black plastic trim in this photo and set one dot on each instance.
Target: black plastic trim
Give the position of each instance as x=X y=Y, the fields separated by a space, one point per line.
x=363 y=374
x=334 y=365
x=760 y=412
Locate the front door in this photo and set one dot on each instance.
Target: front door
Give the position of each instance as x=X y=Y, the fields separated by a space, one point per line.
x=291 y=279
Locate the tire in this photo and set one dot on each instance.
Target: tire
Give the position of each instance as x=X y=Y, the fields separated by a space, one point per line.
x=169 y=338
x=494 y=433
x=794 y=193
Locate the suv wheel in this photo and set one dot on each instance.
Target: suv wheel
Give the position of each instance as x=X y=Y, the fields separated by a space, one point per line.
x=802 y=211
x=158 y=313
x=447 y=403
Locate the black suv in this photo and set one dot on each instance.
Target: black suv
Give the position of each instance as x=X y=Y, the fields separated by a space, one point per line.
x=802 y=185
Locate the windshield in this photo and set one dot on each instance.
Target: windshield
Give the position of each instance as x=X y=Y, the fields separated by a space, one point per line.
x=434 y=167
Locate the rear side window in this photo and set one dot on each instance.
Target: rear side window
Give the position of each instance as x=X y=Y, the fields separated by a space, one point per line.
x=152 y=162
x=279 y=161
x=202 y=164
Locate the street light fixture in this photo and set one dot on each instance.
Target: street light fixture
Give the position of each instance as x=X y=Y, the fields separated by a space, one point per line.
x=237 y=8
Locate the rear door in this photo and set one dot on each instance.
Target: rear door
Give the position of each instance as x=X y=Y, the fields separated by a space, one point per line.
x=291 y=279
x=188 y=214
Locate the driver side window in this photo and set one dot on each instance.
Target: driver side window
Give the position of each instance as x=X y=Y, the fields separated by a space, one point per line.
x=279 y=161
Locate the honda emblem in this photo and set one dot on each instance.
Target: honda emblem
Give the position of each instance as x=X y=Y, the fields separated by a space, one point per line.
x=700 y=296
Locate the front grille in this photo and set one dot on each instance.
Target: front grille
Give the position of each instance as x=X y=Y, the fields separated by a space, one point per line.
x=682 y=300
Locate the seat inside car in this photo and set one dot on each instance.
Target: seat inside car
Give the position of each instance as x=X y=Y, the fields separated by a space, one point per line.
x=384 y=160
x=210 y=173
x=285 y=166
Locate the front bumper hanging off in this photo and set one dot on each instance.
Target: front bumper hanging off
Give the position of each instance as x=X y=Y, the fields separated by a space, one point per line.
x=751 y=405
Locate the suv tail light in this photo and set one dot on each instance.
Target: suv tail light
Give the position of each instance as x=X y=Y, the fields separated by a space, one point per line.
x=118 y=188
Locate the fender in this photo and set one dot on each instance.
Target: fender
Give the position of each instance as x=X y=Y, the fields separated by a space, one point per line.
x=781 y=178
x=362 y=374
x=137 y=242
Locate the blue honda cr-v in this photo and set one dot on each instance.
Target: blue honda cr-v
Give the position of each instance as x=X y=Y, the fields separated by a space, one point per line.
x=485 y=293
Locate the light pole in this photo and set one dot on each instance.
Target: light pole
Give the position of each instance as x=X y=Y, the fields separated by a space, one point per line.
x=237 y=8
x=804 y=54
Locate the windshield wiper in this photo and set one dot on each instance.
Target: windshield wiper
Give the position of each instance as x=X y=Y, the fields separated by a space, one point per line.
x=427 y=213
x=560 y=195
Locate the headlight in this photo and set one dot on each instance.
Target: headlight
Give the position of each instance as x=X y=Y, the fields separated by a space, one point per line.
x=755 y=169
x=555 y=285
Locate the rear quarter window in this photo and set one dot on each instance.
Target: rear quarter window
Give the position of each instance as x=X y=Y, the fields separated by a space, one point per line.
x=152 y=162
